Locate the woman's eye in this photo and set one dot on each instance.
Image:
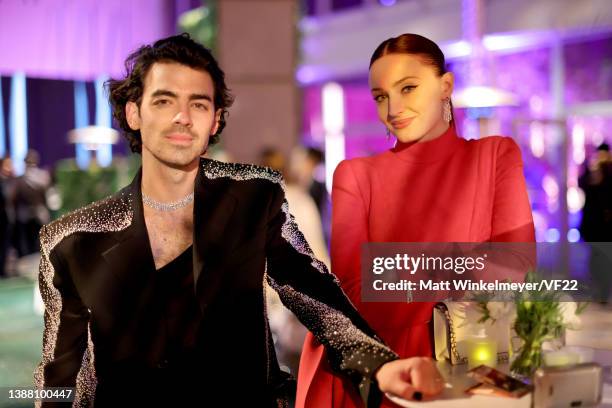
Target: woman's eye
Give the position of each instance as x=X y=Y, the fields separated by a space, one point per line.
x=408 y=88
x=379 y=98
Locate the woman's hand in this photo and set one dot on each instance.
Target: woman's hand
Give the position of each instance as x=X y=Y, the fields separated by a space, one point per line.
x=410 y=378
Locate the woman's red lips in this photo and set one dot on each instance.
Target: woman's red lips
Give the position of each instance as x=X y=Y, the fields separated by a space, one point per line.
x=401 y=123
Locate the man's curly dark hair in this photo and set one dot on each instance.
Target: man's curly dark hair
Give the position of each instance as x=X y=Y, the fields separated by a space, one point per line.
x=181 y=49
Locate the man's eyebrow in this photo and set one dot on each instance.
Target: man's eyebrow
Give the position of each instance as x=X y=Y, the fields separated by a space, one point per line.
x=200 y=96
x=396 y=82
x=165 y=92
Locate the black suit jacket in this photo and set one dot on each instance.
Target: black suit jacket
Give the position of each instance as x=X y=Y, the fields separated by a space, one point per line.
x=97 y=278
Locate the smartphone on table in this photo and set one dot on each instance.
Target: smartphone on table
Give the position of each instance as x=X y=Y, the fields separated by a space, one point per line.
x=494 y=382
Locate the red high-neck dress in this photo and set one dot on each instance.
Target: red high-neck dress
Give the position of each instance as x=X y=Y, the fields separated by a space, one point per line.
x=444 y=190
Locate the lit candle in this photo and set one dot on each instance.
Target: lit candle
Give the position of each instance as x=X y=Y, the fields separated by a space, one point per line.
x=560 y=358
x=481 y=350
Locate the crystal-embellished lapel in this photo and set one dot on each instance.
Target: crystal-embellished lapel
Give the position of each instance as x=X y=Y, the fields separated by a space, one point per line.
x=130 y=258
x=213 y=208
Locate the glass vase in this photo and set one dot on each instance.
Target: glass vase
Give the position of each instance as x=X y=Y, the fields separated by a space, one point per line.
x=527 y=358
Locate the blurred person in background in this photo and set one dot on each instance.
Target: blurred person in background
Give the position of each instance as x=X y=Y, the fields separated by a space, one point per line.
x=308 y=170
x=596 y=224
x=312 y=176
x=161 y=286
x=29 y=200
x=596 y=182
x=433 y=186
x=301 y=202
x=6 y=178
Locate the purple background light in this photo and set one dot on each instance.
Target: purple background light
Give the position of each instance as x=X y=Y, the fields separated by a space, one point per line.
x=83 y=39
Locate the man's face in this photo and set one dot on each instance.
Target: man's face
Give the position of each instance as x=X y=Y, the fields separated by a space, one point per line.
x=6 y=169
x=603 y=156
x=176 y=116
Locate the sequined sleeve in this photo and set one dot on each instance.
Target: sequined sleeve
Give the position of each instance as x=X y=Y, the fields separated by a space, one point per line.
x=314 y=295
x=66 y=319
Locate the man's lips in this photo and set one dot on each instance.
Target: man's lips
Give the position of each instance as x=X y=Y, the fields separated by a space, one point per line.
x=401 y=123
x=179 y=137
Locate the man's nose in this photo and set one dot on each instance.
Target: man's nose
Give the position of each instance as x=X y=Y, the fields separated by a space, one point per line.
x=183 y=117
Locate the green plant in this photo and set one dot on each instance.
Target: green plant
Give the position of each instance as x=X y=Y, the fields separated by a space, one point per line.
x=539 y=317
x=78 y=187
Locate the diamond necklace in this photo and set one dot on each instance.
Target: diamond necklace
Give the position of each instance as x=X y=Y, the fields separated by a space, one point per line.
x=166 y=207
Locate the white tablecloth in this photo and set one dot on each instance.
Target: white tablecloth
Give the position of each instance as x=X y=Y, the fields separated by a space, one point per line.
x=457 y=382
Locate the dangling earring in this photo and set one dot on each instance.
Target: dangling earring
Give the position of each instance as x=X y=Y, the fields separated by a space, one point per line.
x=388 y=134
x=447 y=114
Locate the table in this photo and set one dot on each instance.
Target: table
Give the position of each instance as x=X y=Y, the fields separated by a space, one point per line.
x=457 y=382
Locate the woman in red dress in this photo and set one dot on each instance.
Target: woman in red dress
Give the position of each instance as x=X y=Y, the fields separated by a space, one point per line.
x=433 y=186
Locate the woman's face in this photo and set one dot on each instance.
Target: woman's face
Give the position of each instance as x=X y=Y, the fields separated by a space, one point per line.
x=409 y=96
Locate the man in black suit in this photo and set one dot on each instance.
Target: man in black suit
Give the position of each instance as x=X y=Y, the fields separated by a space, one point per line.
x=156 y=294
x=596 y=224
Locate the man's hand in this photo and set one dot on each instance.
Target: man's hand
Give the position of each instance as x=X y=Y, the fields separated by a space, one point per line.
x=410 y=378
